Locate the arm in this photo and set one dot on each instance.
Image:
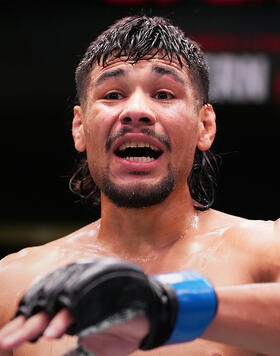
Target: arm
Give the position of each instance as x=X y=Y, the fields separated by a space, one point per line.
x=249 y=317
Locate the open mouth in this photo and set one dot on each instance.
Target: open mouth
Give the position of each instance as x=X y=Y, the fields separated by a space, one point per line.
x=138 y=152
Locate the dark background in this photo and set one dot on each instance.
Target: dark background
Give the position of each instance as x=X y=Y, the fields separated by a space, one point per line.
x=42 y=44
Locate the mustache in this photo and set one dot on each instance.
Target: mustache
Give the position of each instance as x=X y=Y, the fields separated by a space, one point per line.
x=162 y=138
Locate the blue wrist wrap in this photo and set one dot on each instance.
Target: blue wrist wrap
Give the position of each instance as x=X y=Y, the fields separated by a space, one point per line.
x=197 y=304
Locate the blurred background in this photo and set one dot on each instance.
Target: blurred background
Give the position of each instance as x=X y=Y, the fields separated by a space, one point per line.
x=42 y=43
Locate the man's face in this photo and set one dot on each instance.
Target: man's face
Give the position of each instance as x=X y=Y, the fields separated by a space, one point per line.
x=140 y=128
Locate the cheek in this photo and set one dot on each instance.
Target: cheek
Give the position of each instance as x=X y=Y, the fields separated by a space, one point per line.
x=104 y=117
x=182 y=127
x=97 y=128
x=93 y=147
x=184 y=145
x=183 y=135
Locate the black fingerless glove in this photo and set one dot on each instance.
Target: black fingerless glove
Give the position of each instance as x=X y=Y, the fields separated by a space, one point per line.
x=95 y=291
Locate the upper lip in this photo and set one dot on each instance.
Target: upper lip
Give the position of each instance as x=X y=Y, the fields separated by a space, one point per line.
x=137 y=138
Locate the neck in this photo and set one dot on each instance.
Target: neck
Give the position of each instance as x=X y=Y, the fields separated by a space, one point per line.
x=139 y=232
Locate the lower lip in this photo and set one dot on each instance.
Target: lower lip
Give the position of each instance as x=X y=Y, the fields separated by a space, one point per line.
x=138 y=166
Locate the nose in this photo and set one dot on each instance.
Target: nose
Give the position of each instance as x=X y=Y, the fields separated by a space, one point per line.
x=137 y=111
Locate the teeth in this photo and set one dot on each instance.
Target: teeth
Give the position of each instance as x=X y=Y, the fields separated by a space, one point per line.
x=137 y=144
x=140 y=159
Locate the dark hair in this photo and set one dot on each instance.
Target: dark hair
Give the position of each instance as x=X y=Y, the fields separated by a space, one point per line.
x=134 y=38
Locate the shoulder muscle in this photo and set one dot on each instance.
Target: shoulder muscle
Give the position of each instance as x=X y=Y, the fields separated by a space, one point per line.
x=260 y=240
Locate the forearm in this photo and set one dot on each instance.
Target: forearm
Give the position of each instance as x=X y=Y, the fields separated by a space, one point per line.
x=248 y=316
x=183 y=303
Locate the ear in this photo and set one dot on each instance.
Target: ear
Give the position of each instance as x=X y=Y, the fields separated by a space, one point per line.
x=206 y=128
x=78 y=129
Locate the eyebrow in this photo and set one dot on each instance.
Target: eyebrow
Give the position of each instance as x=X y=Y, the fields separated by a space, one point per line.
x=114 y=73
x=169 y=71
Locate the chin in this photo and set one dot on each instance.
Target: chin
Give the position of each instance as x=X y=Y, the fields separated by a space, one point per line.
x=138 y=195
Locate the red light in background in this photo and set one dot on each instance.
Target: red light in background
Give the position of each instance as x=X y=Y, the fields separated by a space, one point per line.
x=268 y=43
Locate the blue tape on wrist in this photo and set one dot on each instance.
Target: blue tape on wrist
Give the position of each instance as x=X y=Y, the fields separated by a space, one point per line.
x=197 y=304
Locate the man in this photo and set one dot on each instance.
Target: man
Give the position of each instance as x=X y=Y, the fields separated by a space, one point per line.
x=146 y=126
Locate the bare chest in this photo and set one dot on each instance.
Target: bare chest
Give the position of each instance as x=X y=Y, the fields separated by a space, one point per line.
x=220 y=264
x=196 y=348
x=214 y=258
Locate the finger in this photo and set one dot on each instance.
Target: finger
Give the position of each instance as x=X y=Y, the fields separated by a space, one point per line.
x=59 y=324
x=12 y=326
x=31 y=328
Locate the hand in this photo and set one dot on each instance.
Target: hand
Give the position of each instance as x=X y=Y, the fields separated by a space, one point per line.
x=120 y=339
x=82 y=296
x=22 y=329
x=87 y=298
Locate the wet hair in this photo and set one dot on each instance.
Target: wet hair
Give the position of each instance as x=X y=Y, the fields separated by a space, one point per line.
x=132 y=39
x=137 y=37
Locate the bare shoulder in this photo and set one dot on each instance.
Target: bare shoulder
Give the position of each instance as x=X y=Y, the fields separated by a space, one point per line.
x=246 y=227
x=19 y=270
x=256 y=240
x=14 y=277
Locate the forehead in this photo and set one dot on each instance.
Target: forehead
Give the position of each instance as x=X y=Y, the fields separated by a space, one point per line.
x=145 y=63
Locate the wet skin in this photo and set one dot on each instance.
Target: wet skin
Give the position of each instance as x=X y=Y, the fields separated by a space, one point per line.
x=227 y=250
x=165 y=237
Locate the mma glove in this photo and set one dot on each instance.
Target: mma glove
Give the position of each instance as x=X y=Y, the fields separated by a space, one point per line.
x=178 y=305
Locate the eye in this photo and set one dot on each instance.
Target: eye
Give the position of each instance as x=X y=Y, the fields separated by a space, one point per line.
x=164 y=95
x=113 y=96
